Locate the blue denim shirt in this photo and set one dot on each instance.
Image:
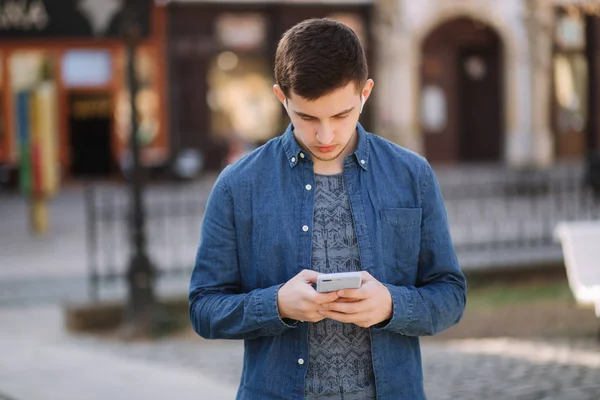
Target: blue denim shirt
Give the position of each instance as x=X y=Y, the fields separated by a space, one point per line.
x=254 y=239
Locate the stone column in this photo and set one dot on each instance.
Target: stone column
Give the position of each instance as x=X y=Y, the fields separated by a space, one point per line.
x=394 y=80
x=518 y=133
x=540 y=22
x=519 y=99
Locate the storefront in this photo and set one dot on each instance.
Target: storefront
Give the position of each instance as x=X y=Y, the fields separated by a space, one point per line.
x=575 y=80
x=221 y=69
x=68 y=55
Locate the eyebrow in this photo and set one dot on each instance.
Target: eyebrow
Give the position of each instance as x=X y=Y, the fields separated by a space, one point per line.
x=336 y=115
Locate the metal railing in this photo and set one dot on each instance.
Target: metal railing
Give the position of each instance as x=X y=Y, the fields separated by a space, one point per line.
x=495 y=220
x=508 y=220
x=173 y=219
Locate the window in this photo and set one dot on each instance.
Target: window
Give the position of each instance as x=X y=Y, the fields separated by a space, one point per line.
x=86 y=68
x=570 y=85
x=240 y=97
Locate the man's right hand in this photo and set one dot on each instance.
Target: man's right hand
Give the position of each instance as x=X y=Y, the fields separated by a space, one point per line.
x=298 y=300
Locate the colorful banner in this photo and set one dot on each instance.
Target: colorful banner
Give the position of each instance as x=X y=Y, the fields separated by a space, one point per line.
x=39 y=172
x=44 y=131
x=23 y=131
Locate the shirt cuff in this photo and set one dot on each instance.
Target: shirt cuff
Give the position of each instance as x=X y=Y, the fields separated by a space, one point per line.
x=265 y=305
x=402 y=310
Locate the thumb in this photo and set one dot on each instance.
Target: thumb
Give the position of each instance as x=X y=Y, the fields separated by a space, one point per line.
x=309 y=275
x=367 y=277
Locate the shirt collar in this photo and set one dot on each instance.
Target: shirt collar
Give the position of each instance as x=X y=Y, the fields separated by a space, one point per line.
x=294 y=153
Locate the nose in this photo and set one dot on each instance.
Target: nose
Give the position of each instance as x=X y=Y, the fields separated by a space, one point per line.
x=325 y=134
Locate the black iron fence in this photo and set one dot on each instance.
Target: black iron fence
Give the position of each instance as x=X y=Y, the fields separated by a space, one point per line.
x=508 y=219
x=173 y=219
x=495 y=219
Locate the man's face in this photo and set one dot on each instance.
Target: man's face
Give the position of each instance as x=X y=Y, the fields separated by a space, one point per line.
x=326 y=127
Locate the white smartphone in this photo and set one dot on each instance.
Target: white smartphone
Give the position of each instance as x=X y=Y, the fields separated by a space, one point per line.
x=337 y=281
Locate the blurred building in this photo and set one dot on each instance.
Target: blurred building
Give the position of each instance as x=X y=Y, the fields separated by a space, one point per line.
x=508 y=82
x=221 y=57
x=472 y=81
x=462 y=81
x=72 y=52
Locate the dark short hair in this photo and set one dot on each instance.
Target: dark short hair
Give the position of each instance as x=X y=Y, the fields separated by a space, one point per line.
x=317 y=57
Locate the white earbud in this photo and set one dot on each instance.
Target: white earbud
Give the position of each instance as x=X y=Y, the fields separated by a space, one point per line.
x=362 y=103
x=285 y=106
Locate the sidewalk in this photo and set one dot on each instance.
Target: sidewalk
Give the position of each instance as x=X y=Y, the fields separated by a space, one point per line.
x=41 y=361
x=32 y=370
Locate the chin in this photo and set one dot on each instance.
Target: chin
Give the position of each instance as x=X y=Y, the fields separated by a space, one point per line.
x=328 y=156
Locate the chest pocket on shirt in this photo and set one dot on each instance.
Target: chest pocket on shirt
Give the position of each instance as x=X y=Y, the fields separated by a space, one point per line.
x=401 y=236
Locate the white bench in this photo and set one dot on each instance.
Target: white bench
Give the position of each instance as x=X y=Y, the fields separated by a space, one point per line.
x=580 y=243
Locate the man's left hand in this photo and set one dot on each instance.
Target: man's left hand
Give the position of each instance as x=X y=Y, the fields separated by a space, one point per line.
x=365 y=307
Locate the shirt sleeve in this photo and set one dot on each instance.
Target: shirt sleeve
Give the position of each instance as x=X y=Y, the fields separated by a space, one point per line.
x=218 y=308
x=438 y=299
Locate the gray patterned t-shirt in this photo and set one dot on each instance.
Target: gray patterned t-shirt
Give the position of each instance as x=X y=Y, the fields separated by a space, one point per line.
x=340 y=365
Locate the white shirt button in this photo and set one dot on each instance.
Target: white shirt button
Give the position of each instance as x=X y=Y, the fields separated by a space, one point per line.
x=362 y=162
x=293 y=159
x=308 y=187
x=305 y=228
x=301 y=155
x=300 y=361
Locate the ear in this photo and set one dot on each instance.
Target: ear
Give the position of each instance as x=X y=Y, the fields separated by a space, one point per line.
x=279 y=93
x=366 y=90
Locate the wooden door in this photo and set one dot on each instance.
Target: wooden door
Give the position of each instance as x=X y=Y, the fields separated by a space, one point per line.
x=461 y=93
x=479 y=103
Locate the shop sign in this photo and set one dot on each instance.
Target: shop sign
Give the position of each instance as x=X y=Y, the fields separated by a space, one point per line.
x=246 y=31
x=66 y=18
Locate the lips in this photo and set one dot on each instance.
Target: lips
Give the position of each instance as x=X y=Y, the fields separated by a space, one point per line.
x=326 y=149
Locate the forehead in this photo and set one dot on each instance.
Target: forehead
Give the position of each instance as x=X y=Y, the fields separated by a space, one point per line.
x=341 y=99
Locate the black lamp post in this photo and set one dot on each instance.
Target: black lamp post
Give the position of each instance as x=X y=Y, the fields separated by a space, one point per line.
x=592 y=24
x=140 y=312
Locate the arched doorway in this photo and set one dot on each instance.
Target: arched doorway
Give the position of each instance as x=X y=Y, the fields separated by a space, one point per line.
x=461 y=114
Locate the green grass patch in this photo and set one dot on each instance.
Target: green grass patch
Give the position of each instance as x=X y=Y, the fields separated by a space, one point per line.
x=498 y=295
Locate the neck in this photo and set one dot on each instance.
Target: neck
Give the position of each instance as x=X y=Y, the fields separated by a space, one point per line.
x=336 y=166
x=329 y=167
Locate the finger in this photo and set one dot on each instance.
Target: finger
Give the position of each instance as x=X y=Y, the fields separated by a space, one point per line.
x=346 y=307
x=356 y=294
x=309 y=275
x=340 y=317
x=346 y=300
x=323 y=298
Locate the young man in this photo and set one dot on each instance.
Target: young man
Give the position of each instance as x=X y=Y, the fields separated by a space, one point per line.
x=326 y=196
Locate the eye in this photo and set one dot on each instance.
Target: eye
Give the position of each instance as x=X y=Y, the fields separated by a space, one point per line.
x=306 y=118
x=341 y=116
